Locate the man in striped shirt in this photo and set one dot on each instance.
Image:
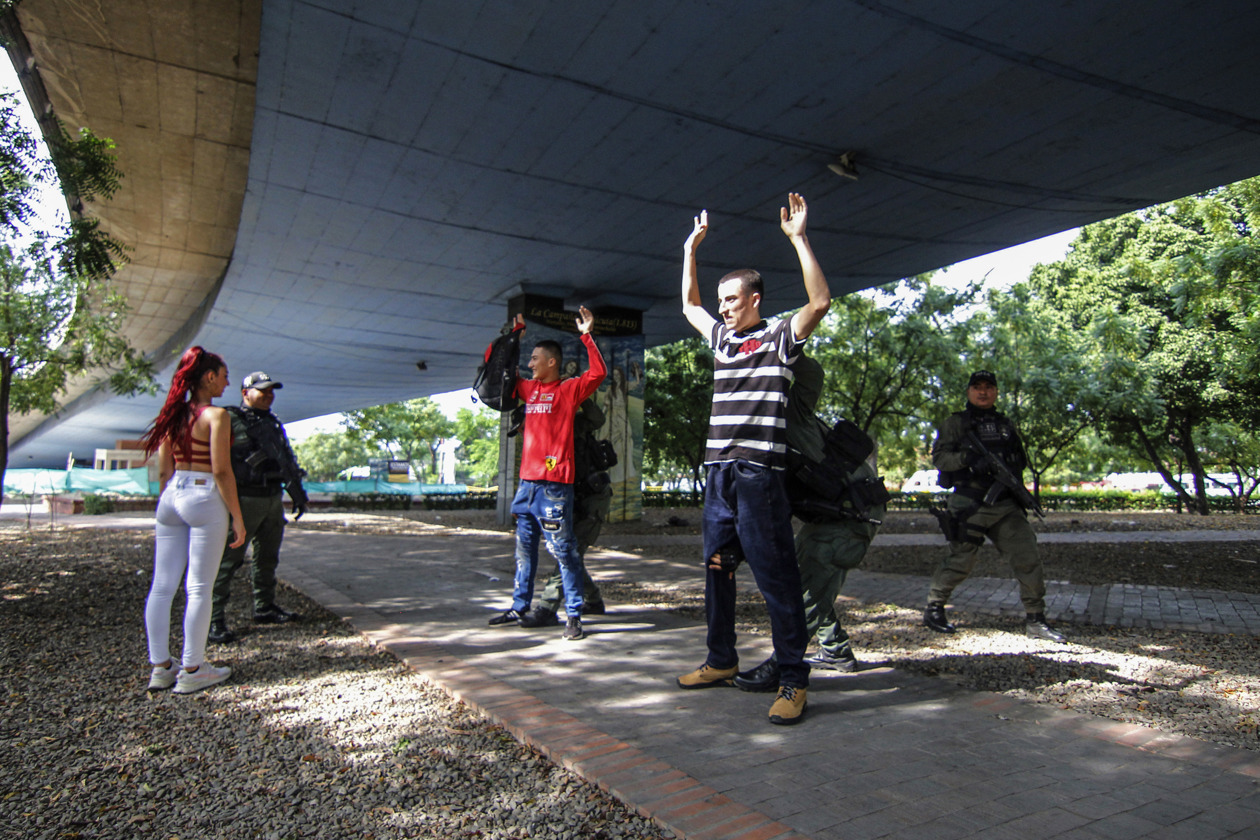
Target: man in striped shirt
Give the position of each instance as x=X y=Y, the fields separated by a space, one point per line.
x=746 y=510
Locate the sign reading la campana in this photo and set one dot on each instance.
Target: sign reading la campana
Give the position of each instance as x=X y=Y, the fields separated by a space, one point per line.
x=550 y=312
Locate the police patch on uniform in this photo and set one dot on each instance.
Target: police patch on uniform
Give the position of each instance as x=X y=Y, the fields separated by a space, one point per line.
x=550 y=462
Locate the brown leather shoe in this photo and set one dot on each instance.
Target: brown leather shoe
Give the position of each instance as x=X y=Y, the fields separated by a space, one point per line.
x=789 y=706
x=707 y=677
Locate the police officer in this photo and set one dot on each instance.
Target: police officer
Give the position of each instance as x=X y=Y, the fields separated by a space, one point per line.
x=980 y=506
x=831 y=542
x=265 y=467
x=592 y=499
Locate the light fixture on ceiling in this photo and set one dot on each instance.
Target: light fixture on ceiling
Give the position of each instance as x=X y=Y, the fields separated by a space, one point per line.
x=844 y=167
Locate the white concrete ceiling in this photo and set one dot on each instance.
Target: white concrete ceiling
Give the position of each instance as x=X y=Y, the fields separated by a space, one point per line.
x=412 y=165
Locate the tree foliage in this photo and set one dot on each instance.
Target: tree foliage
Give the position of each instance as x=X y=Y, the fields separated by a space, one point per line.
x=325 y=454
x=408 y=430
x=478 y=435
x=676 y=403
x=1046 y=387
x=1163 y=304
x=895 y=360
x=60 y=317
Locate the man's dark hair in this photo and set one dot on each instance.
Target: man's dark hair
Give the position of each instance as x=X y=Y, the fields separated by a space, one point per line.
x=552 y=348
x=749 y=281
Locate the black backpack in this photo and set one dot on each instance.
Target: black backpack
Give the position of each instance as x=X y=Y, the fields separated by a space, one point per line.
x=495 y=384
x=829 y=488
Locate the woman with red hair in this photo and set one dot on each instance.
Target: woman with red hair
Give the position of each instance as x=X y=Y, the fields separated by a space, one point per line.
x=198 y=498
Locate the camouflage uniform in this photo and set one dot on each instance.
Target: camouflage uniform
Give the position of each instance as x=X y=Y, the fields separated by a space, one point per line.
x=1001 y=520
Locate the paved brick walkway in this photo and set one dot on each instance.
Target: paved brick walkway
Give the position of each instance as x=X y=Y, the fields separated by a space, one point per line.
x=882 y=754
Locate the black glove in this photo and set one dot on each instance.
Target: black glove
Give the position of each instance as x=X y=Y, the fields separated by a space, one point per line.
x=300 y=500
x=727 y=559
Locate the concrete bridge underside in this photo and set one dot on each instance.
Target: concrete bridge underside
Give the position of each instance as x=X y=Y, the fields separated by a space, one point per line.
x=336 y=190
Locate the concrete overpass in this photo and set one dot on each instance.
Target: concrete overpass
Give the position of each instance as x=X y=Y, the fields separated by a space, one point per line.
x=336 y=190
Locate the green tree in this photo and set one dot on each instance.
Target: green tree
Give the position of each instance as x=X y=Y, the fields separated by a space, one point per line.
x=896 y=359
x=407 y=429
x=1047 y=388
x=325 y=454
x=478 y=435
x=60 y=317
x=1234 y=449
x=1169 y=329
x=677 y=398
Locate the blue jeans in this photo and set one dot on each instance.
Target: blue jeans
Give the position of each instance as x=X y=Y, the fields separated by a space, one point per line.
x=544 y=509
x=747 y=503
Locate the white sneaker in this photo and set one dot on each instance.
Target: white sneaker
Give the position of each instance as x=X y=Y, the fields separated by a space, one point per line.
x=161 y=678
x=204 y=677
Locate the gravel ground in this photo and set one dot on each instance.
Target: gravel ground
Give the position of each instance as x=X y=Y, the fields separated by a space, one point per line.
x=323 y=736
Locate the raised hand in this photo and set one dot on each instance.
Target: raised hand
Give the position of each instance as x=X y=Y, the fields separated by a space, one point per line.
x=792 y=217
x=697 y=232
x=586 y=321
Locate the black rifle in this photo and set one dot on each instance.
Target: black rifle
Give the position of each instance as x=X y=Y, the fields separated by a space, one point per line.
x=993 y=465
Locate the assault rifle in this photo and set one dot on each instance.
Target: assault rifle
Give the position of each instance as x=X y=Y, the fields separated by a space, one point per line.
x=1004 y=478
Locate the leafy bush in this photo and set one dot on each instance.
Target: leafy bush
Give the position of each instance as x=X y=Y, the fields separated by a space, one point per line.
x=94 y=504
x=477 y=500
x=1085 y=500
x=372 y=501
x=671 y=498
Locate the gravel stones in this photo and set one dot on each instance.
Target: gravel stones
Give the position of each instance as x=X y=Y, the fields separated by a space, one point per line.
x=316 y=734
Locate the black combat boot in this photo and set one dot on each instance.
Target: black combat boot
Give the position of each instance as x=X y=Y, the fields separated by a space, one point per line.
x=934 y=619
x=219 y=632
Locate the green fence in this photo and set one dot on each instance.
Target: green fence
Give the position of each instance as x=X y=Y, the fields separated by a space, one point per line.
x=136 y=482
x=79 y=480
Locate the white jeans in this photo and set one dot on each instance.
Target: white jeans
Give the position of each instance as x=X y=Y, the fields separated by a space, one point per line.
x=192 y=529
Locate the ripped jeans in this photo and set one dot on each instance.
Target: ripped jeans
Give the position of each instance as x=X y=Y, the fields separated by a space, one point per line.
x=544 y=510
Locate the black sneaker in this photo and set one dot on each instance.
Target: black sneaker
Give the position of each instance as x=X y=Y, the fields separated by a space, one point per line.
x=509 y=617
x=594 y=608
x=275 y=614
x=573 y=629
x=1035 y=627
x=219 y=633
x=538 y=617
x=845 y=661
x=934 y=619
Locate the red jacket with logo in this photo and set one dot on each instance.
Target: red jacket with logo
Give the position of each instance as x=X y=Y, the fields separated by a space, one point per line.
x=547 y=453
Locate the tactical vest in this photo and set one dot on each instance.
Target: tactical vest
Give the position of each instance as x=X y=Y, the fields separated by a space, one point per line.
x=999 y=436
x=259 y=456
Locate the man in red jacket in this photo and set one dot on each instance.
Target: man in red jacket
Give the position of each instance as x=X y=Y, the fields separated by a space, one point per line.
x=543 y=506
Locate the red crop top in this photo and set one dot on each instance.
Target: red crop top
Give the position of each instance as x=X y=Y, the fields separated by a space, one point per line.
x=198 y=451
